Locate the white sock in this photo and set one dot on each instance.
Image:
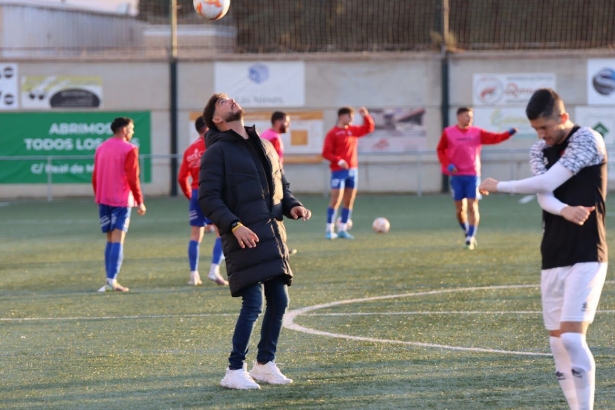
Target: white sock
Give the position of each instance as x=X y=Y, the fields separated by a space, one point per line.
x=329 y=227
x=343 y=227
x=583 y=368
x=214 y=269
x=563 y=371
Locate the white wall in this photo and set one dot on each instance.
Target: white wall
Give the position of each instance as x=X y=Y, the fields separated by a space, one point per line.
x=383 y=80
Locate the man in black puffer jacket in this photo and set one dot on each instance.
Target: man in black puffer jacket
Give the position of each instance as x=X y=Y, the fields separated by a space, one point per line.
x=243 y=191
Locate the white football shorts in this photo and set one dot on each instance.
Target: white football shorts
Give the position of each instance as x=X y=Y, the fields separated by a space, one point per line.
x=571 y=293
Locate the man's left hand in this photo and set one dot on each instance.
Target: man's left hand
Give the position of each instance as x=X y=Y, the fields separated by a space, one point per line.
x=301 y=212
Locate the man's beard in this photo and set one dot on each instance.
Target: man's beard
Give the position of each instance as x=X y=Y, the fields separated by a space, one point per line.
x=283 y=129
x=234 y=116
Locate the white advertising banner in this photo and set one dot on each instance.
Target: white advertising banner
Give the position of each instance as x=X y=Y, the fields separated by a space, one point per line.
x=9 y=87
x=508 y=89
x=262 y=84
x=305 y=135
x=501 y=119
x=602 y=119
x=397 y=130
x=45 y=92
x=601 y=81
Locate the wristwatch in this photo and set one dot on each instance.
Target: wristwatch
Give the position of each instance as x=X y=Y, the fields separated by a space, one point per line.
x=234 y=224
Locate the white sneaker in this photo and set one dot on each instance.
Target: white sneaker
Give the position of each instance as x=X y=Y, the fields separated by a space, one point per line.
x=471 y=243
x=239 y=379
x=195 y=279
x=113 y=286
x=214 y=274
x=268 y=373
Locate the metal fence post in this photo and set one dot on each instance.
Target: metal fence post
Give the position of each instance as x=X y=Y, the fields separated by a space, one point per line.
x=49 y=180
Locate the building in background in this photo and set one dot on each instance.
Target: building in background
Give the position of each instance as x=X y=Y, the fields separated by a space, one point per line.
x=83 y=29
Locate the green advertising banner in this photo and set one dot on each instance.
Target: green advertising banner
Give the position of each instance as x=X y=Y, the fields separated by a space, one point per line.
x=36 y=148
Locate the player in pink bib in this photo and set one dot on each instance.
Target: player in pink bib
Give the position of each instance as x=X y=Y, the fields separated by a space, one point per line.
x=459 y=154
x=117 y=190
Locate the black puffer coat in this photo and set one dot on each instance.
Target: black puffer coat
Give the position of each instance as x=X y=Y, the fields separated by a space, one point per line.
x=234 y=185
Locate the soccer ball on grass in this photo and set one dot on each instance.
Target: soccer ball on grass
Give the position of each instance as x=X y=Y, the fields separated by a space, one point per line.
x=381 y=225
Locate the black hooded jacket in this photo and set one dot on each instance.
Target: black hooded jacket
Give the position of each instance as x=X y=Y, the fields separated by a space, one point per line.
x=239 y=183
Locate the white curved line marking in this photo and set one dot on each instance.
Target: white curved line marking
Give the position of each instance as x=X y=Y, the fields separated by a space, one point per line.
x=289 y=320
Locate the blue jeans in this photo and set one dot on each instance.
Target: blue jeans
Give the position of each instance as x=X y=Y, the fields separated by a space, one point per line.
x=276 y=295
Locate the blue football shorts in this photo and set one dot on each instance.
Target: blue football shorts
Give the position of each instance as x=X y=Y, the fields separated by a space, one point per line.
x=114 y=217
x=196 y=214
x=465 y=186
x=345 y=178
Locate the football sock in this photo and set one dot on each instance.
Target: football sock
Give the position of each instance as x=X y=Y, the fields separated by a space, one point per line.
x=464 y=226
x=330 y=219
x=217 y=252
x=582 y=367
x=107 y=256
x=193 y=255
x=116 y=255
x=563 y=371
x=330 y=215
x=472 y=230
x=345 y=217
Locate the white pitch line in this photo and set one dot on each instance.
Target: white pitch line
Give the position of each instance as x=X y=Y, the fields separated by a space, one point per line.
x=467 y=312
x=289 y=320
x=70 y=221
x=60 y=319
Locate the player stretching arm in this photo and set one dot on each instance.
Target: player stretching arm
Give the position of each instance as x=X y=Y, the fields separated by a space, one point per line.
x=340 y=149
x=569 y=164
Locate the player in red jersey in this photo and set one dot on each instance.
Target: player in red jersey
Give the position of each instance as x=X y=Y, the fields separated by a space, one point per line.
x=340 y=149
x=189 y=183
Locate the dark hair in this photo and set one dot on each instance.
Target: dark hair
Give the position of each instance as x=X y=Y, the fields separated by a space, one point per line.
x=210 y=109
x=462 y=110
x=278 y=115
x=199 y=124
x=545 y=103
x=344 y=110
x=120 y=122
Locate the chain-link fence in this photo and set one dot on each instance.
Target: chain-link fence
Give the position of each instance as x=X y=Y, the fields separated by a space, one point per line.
x=61 y=29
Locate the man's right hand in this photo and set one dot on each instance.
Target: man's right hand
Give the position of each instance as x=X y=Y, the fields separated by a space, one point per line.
x=245 y=237
x=342 y=164
x=141 y=209
x=487 y=186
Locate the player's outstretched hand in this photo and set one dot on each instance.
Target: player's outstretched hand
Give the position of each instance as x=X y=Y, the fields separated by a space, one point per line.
x=577 y=214
x=141 y=209
x=245 y=237
x=513 y=131
x=363 y=111
x=301 y=212
x=487 y=186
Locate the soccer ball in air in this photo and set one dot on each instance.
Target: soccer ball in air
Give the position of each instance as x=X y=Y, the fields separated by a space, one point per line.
x=338 y=223
x=211 y=9
x=381 y=225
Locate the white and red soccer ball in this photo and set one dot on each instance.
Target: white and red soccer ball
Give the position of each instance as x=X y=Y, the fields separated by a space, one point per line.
x=211 y=9
x=381 y=225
